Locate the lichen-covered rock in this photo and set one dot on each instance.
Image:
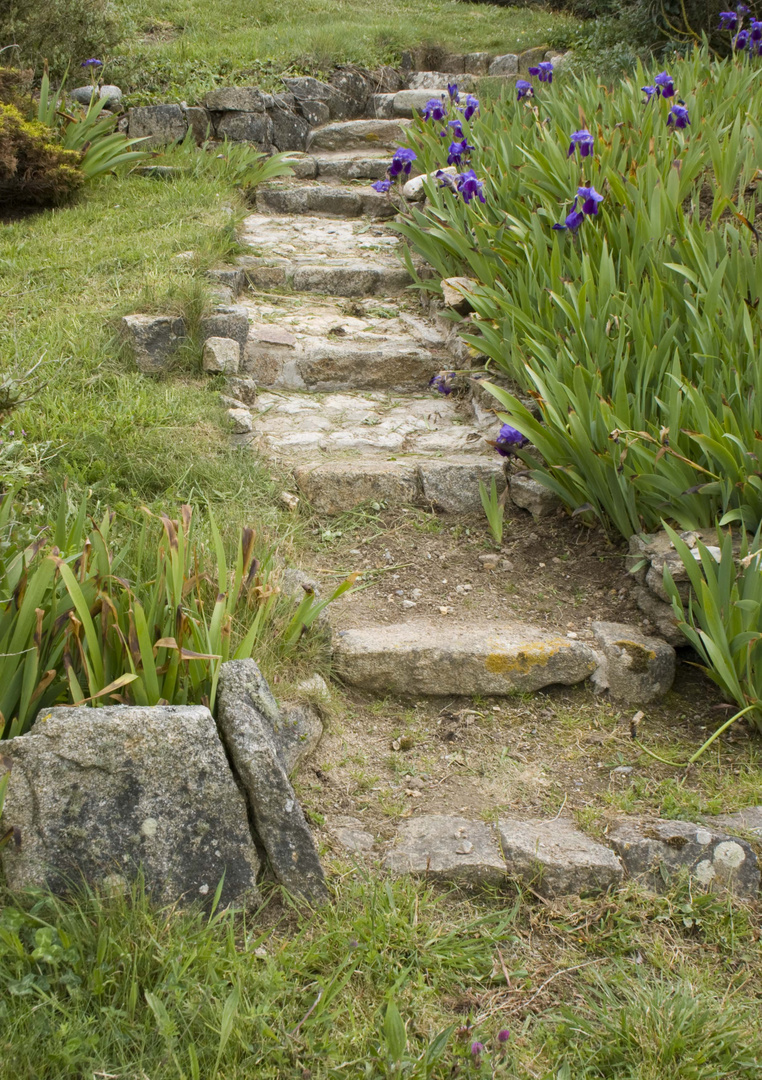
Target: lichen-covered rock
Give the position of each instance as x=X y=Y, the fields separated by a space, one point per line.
x=247 y=717
x=94 y=794
x=358 y=135
x=249 y=127
x=655 y=851
x=157 y=124
x=634 y=667
x=434 y=658
x=154 y=339
x=556 y=858
x=237 y=99
x=447 y=848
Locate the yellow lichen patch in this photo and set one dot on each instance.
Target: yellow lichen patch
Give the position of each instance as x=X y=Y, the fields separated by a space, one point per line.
x=523 y=661
x=639 y=656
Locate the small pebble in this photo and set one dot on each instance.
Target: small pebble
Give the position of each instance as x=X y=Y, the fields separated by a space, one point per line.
x=407 y=604
x=622 y=770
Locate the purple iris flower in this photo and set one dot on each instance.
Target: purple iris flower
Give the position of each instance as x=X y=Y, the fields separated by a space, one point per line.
x=742 y=9
x=582 y=139
x=382 y=185
x=728 y=20
x=649 y=91
x=523 y=89
x=444 y=382
x=446 y=181
x=472 y=104
x=590 y=199
x=457 y=151
x=755 y=31
x=572 y=221
x=509 y=440
x=91 y=63
x=452 y=90
x=741 y=41
x=678 y=115
x=457 y=129
x=664 y=85
x=543 y=71
x=434 y=109
x=470 y=186
x=402 y=162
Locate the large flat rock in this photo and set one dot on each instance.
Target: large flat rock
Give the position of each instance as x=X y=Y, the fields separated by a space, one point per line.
x=326 y=199
x=656 y=851
x=351 y=164
x=447 y=848
x=358 y=135
x=332 y=487
x=556 y=858
x=421 y=657
x=96 y=793
x=247 y=716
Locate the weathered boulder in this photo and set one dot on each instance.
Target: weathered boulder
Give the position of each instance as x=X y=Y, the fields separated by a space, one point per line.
x=237 y=99
x=305 y=88
x=634 y=668
x=243 y=388
x=435 y=658
x=221 y=354
x=743 y=821
x=477 y=63
x=414 y=189
x=297 y=734
x=83 y=95
x=556 y=858
x=533 y=496
x=452 y=486
x=157 y=124
x=227 y=322
x=531 y=58
x=332 y=486
x=358 y=135
x=436 y=82
x=154 y=339
x=247 y=716
x=654 y=851
x=200 y=123
x=249 y=127
x=316 y=113
x=661 y=615
x=508 y=64
x=289 y=131
x=354 y=88
x=447 y=848
x=95 y=794
x=240 y=419
x=381 y=106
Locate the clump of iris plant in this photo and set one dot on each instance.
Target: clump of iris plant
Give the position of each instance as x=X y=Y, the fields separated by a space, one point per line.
x=400 y=166
x=509 y=440
x=434 y=109
x=745 y=39
x=678 y=117
x=523 y=89
x=444 y=382
x=728 y=20
x=582 y=139
x=591 y=199
x=457 y=151
x=664 y=85
x=543 y=71
x=472 y=106
x=470 y=186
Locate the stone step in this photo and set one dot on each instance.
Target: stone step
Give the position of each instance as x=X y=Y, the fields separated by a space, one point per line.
x=329 y=345
x=336 y=165
x=316 y=254
x=421 y=657
x=327 y=200
x=357 y=135
x=405 y=103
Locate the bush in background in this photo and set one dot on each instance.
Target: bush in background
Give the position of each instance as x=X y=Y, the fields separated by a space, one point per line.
x=63 y=32
x=35 y=170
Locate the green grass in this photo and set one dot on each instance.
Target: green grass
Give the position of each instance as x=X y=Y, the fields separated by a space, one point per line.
x=182 y=48
x=117 y=987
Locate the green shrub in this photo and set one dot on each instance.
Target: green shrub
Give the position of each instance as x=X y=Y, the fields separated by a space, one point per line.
x=63 y=32
x=34 y=169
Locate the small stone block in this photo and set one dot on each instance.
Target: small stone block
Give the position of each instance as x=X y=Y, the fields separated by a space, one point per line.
x=336 y=486
x=154 y=339
x=452 y=486
x=635 y=668
x=533 y=496
x=508 y=64
x=221 y=354
x=556 y=858
x=447 y=848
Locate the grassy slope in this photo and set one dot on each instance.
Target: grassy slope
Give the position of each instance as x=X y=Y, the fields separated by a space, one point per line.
x=183 y=47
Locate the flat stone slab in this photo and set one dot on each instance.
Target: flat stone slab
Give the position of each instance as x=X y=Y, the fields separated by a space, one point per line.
x=452 y=485
x=326 y=199
x=655 y=851
x=247 y=717
x=744 y=821
x=332 y=487
x=351 y=164
x=357 y=135
x=556 y=858
x=96 y=793
x=320 y=347
x=289 y=425
x=422 y=657
x=351 y=835
x=635 y=668
x=436 y=82
x=317 y=254
x=447 y=848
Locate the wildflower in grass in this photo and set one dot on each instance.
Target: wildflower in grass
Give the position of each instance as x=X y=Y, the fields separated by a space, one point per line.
x=457 y=151
x=523 y=89
x=741 y=41
x=91 y=63
x=477 y=1049
x=434 y=109
x=572 y=221
x=472 y=104
x=444 y=382
x=678 y=116
x=543 y=71
x=402 y=162
x=382 y=186
x=582 y=139
x=664 y=85
x=503 y=1035
x=470 y=186
x=452 y=90
x=508 y=440
x=649 y=91
x=728 y=20
x=590 y=199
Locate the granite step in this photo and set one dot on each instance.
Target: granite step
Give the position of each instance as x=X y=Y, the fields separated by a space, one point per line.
x=321 y=255
x=326 y=200
x=322 y=345
x=337 y=165
x=357 y=135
